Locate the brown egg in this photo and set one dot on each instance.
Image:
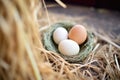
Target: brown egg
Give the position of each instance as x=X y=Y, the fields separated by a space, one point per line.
x=78 y=33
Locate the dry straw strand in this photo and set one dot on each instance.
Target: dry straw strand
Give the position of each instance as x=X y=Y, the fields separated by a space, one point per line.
x=107 y=40
x=15 y=30
x=61 y=3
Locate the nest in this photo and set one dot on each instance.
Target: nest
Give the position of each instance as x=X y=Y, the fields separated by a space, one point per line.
x=50 y=45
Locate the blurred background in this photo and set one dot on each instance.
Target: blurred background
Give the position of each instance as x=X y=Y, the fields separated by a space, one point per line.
x=102 y=15
x=108 y=4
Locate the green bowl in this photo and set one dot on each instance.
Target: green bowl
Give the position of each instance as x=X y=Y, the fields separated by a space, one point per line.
x=85 y=48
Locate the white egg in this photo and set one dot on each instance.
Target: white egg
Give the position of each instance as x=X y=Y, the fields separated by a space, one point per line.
x=68 y=47
x=60 y=34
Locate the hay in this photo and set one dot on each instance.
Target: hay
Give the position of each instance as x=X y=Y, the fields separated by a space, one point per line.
x=101 y=63
x=19 y=39
x=23 y=57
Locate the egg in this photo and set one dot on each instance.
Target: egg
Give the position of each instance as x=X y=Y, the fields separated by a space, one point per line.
x=60 y=34
x=78 y=33
x=68 y=47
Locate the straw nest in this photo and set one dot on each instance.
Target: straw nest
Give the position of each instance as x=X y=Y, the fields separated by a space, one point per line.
x=23 y=57
x=50 y=45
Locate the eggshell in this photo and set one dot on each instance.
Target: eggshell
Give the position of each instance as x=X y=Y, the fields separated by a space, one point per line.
x=68 y=47
x=78 y=33
x=60 y=34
